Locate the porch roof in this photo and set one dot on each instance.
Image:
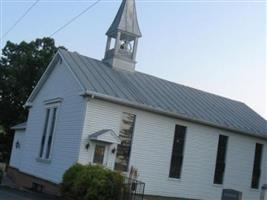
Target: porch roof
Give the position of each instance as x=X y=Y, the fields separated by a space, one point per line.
x=105 y=135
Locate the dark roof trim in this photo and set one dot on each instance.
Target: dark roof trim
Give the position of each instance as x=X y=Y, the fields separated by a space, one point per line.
x=21 y=126
x=163 y=112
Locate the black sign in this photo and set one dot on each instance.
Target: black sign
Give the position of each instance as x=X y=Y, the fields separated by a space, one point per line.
x=228 y=194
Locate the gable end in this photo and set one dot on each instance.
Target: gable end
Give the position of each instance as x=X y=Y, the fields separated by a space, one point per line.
x=58 y=58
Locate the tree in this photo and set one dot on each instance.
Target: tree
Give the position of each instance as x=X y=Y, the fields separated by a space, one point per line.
x=21 y=66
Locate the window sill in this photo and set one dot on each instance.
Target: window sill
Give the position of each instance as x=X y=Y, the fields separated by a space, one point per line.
x=174 y=179
x=41 y=160
x=217 y=185
x=254 y=189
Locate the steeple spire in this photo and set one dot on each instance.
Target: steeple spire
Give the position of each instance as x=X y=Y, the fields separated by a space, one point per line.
x=125 y=20
x=125 y=31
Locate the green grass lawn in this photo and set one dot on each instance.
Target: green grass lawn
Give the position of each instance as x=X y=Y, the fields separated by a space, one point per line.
x=164 y=198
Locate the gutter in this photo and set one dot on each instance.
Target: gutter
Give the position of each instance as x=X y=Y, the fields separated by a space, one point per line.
x=95 y=95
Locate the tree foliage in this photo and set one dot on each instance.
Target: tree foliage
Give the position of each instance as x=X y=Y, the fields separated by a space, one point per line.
x=21 y=66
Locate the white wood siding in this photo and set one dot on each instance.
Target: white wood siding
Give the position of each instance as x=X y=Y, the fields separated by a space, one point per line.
x=152 y=147
x=93 y=123
x=265 y=164
x=68 y=128
x=264 y=181
x=16 y=154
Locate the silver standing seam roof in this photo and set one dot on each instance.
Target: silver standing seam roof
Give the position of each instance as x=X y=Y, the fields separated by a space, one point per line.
x=125 y=20
x=151 y=93
x=95 y=136
x=101 y=132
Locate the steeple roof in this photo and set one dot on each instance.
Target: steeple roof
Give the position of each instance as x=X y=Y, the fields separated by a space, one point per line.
x=125 y=20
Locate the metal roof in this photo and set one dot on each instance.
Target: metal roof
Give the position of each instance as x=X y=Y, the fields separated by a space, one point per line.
x=113 y=139
x=155 y=94
x=20 y=126
x=125 y=20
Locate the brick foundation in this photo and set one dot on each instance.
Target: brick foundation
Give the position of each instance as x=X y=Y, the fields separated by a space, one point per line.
x=23 y=180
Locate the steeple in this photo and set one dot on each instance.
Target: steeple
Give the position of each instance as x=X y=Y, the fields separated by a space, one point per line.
x=123 y=37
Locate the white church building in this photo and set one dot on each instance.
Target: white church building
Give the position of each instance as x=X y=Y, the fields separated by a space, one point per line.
x=185 y=143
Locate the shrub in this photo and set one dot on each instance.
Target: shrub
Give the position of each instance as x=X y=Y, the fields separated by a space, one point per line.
x=91 y=182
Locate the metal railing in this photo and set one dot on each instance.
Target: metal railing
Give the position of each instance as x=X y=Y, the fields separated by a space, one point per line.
x=133 y=189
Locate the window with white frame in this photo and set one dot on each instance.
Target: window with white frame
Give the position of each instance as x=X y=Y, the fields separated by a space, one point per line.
x=48 y=131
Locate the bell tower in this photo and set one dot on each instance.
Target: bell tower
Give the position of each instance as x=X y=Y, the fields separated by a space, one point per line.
x=122 y=38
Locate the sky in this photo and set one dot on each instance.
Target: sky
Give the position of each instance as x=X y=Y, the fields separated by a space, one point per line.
x=216 y=46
